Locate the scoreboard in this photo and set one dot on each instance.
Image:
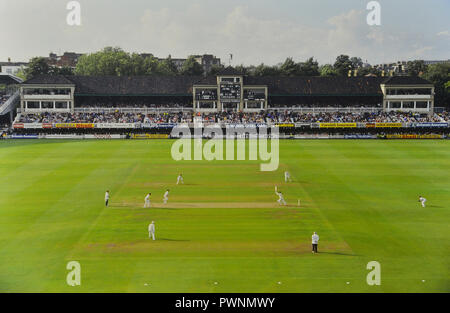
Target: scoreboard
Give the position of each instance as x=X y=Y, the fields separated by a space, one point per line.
x=254 y=94
x=230 y=92
x=206 y=94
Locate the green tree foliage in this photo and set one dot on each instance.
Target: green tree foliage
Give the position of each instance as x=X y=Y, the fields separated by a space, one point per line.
x=309 y=68
x=242 y=69
x=416 y=68
x=110 y=61
x=150 y=65
x=216 y=69
x=191 y=67
x=327 y=70
x=37 y=66
x=264 y=70
x=61 y=70
x=343 y=64
x=167 y=67
x=368 y=70
x=439 y=75
x=290 y=68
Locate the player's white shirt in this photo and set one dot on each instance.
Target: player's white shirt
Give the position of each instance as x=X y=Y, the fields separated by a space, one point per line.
x=280 y=196
x=147 y=198
x=151 y=228
x=106 y=196
x=315 y=239
x=422 y=199
x=166 y=194
x=287 y=175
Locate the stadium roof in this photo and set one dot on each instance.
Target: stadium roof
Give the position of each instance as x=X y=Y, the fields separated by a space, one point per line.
x=230 y=71
x=9 y=79
x=406 y=80
x=182 y=85
x=322 y=86
x=49 y=80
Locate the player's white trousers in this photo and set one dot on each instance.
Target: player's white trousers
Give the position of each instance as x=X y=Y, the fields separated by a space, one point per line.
x=151 y=235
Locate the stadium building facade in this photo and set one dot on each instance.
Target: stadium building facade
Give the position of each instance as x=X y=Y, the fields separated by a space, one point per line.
x=297 y=105
x=228 y=91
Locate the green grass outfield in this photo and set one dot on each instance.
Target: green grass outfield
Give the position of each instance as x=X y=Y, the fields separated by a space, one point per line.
x=224 y=224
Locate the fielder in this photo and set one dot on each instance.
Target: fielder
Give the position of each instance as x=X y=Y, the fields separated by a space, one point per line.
x=315 y=242
x=106 y=197
x=422 y=200
x=151 y=230
x=287 y=177
x=180 y=179
x=147 y=200
x=280 y=197
x=166 y=196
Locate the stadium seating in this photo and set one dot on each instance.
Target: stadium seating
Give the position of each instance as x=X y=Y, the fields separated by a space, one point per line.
x=233 y=117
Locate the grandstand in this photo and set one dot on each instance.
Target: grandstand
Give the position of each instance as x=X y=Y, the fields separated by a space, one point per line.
x=153 y=104
x=9 y=98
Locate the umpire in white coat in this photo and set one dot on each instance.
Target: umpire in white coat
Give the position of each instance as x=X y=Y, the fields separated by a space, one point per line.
x=151 y=230
x=315 y=242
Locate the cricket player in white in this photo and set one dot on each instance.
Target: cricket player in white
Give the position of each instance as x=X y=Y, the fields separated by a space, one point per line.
x=106 y=197
x=280 y=197
x=180 y=179
x=147 y=200
x=151 y=230
x=287 y=177
x=315 y=242
x=422 y=200
x=166 y=196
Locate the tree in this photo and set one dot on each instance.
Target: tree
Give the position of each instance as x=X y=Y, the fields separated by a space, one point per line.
x=136 y=66
x=327 y=70
x=110 y=61
x=343 y=64
x=37 y=66
x=216 y=69
x=416 y=68
x=356 y=62
x=242 y=69
x=191 y=67
x=167 y=67
x=309 y=68
x=21 y=74
x=289 y=68
x=368 y=70
x=439 y=75
x=150 y=64
x=264 y=70
x=61 y=70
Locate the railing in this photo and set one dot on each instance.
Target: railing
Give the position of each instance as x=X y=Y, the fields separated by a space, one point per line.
x=328 y=109
x=132 y=110
x=440 y=110
x=10 y=103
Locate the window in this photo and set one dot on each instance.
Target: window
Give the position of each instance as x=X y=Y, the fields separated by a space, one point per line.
x=47 y=105
x=408 y=104
x=61 y=105
x=32 y=105
x=421 y=104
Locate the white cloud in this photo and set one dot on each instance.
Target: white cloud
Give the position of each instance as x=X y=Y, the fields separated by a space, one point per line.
x=39 y=27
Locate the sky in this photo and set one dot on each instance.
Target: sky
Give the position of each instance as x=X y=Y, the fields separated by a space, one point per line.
x=254 y=31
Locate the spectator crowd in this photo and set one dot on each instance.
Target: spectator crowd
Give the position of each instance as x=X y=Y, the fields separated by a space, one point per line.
x=233 y=117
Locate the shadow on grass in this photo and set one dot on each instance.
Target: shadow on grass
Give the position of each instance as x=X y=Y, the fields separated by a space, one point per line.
x=167 y=239
x=340 y=253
